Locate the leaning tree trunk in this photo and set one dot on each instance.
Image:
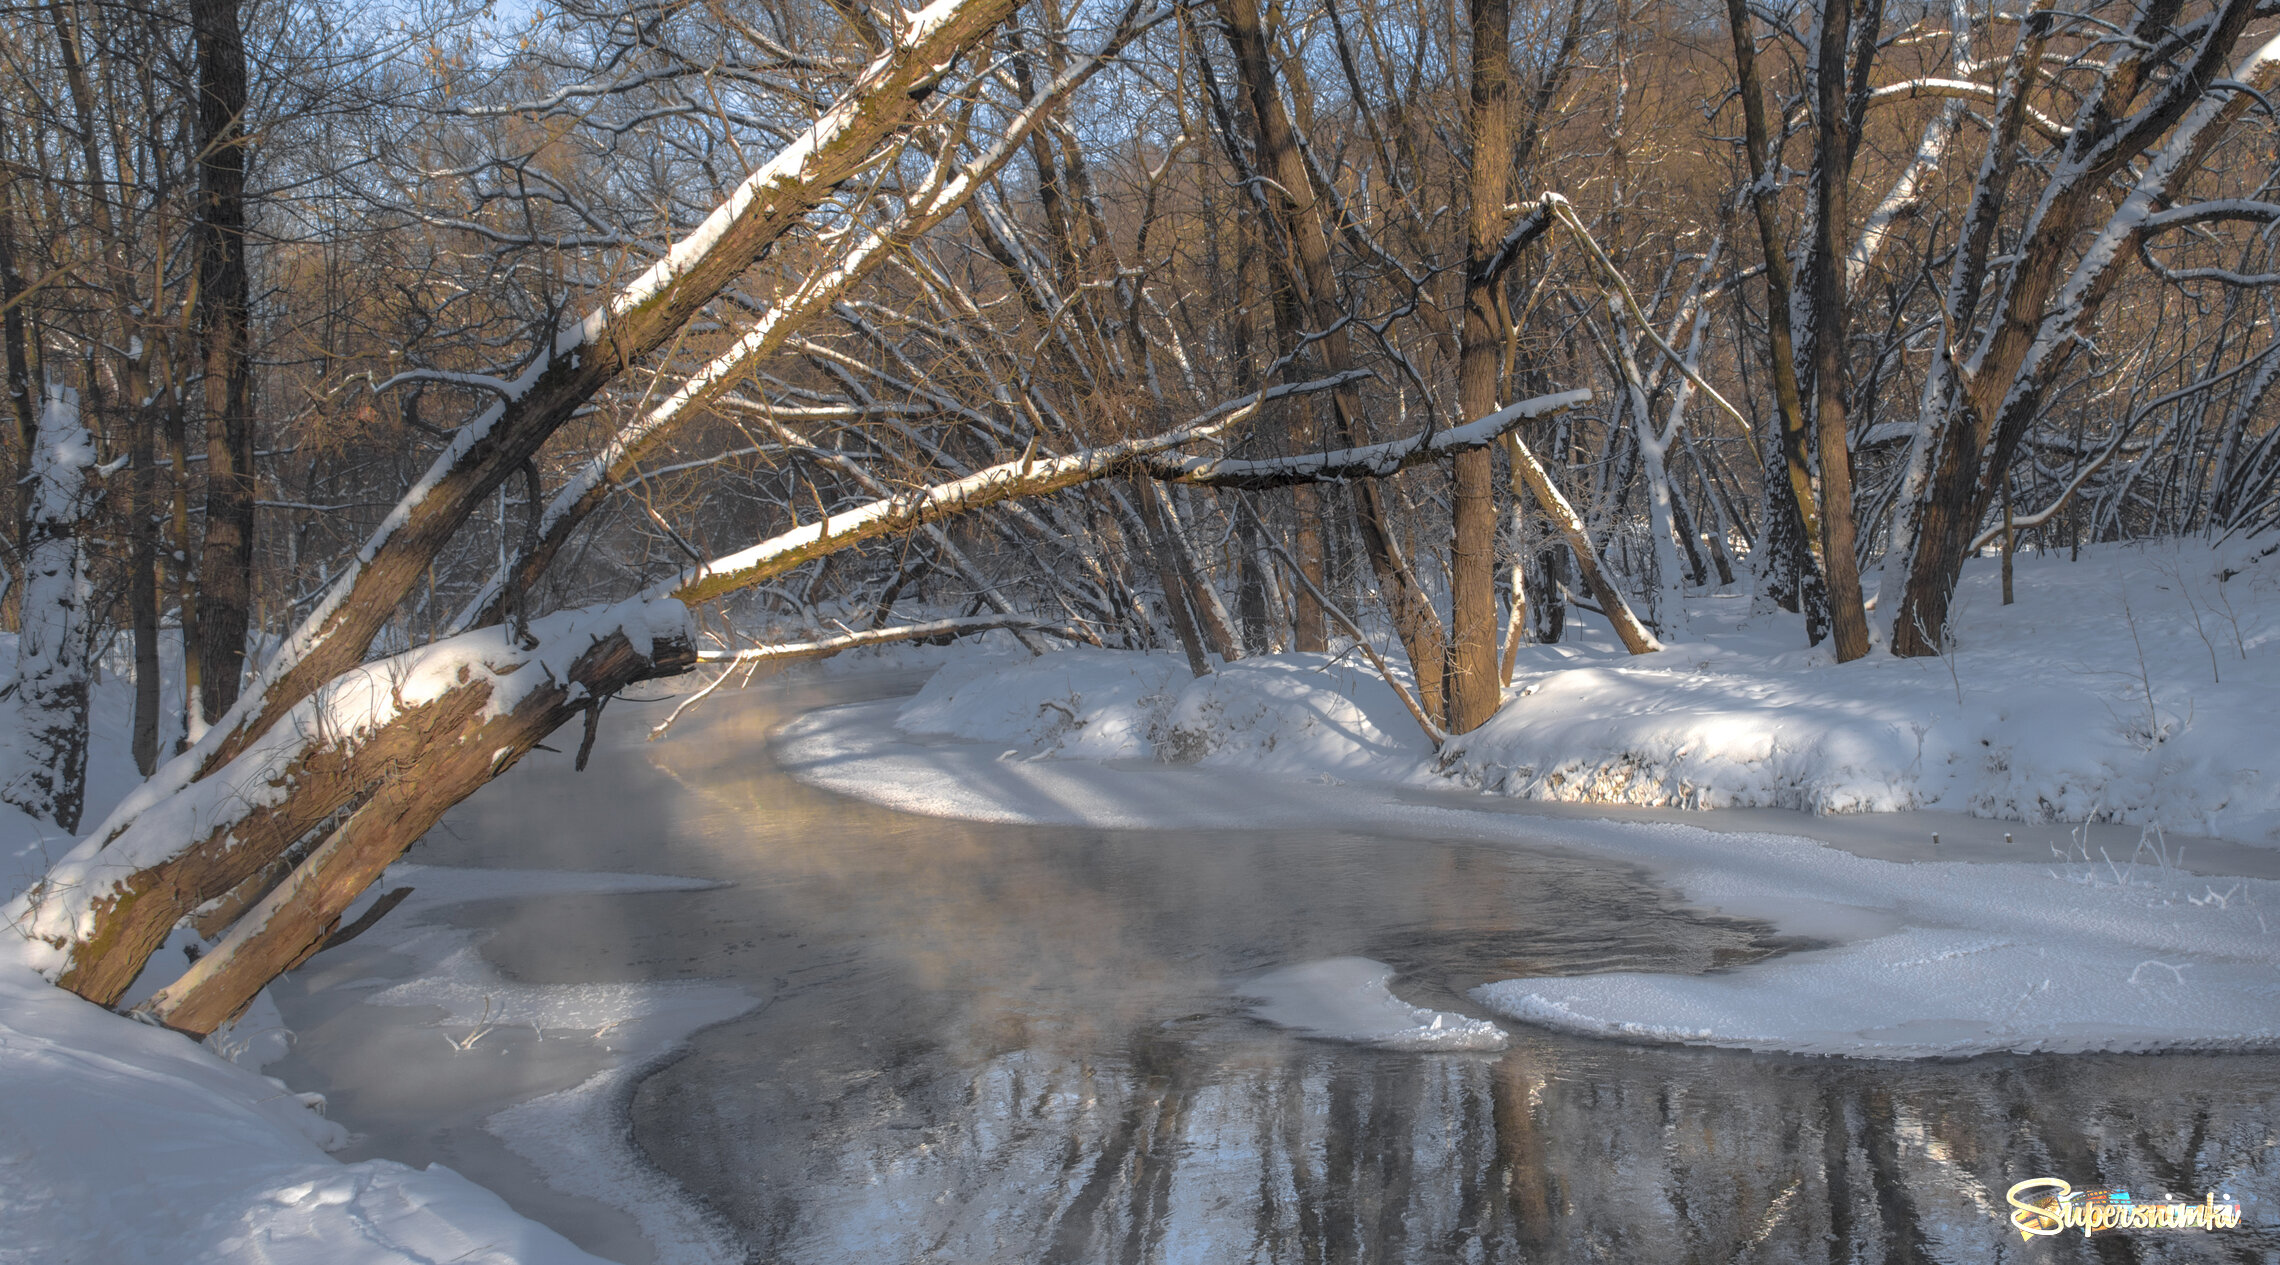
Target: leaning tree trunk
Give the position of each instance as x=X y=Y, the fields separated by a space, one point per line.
x=46 y=774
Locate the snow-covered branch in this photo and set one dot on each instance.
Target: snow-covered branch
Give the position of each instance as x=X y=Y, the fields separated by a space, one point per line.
x=1370 y=461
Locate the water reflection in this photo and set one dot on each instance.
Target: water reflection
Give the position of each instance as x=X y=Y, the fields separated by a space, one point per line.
x=993 y=1043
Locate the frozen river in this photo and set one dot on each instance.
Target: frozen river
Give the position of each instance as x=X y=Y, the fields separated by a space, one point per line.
x=978 y=1042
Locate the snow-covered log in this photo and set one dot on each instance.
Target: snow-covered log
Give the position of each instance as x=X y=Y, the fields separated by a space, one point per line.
x=393 y=743
x=43 y=767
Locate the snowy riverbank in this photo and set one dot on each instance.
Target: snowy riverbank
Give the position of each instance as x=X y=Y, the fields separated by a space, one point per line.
x=2133 y=686
x=123 y=1143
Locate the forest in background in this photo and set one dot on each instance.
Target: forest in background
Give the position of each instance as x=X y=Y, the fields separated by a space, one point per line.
x=433 y=374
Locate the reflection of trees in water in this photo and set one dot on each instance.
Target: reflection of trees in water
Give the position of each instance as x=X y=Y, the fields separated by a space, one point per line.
x=1209 y=1145
x=1008 y=1043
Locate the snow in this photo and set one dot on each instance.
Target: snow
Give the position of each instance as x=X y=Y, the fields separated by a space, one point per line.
x=122 y=1143
x=160 y=819
x=2094 y=697
x=1348 y=999
x=2130 y=687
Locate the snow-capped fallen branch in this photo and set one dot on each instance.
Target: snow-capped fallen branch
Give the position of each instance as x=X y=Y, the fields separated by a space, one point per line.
x=1371 y=461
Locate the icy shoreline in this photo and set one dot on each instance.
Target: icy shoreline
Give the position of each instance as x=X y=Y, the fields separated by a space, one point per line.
x=2133 y=687
x=1927 y=958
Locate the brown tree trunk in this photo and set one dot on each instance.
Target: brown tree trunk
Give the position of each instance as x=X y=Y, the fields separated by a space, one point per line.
x=460 y=749
x=224 y=322
x=1792 y=527
x=1300 y=207
x=1848 y=621
x=23 y=405
x=1475 y=681
x=142 y=555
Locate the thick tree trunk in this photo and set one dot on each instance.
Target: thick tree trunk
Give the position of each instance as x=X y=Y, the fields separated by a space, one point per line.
x=46 y=775
x=1475 y=680
x=1840 y=563
x=224 y=322
x=462 y=745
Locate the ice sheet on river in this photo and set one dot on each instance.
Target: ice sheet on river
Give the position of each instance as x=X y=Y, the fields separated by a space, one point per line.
x=1347 y=999
x=1924 y=959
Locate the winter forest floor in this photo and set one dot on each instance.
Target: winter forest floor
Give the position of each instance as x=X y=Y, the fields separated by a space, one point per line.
x=2096 y=760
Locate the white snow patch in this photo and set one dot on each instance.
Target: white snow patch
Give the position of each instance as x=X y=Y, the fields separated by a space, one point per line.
x=123 y=1144
x=1348 y=999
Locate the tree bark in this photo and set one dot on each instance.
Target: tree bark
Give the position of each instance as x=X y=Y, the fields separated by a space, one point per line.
x=1840 y=564
x=225 y=336
x=460 y=747
x=1475 y=681
x=47 y=776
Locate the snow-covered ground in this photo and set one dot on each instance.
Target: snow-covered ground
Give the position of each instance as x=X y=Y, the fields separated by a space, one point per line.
x=2094 y=697
x=2132 y=686
x=123 y=1143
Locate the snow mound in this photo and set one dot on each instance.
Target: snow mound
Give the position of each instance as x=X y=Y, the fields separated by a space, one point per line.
x=2134 y=686
x=1293 y=714
x=1347 y=999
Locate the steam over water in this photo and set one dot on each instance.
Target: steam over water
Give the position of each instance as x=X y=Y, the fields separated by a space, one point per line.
x=989 y=1042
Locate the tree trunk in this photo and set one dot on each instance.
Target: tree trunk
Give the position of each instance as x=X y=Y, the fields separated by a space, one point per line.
x=1300 y=206
x=1840 y=562
x=1790 y=570
x=224 y=321
x=23 y=392
x=461 y=749
x=47 y=776
x=1475 y=679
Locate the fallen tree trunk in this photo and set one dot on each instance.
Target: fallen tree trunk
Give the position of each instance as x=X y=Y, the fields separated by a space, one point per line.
x=479 y=728
x=415 y=721
x=388 y=748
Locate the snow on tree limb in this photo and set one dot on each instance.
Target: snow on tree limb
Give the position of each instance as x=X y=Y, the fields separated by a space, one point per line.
x=406 y=721
x=584 y=357
x=1029 y=475
x=1370 y=461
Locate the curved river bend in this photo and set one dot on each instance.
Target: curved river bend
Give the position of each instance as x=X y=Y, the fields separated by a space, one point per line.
x=983 y=1042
